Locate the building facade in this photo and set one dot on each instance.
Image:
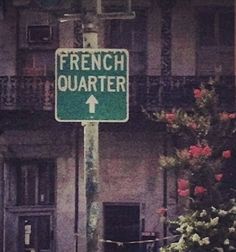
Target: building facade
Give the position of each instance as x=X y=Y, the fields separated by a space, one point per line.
x=173 y=46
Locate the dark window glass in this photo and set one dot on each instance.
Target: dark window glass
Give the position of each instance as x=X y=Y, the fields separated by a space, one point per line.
x=26 y=185
x=216 y=28
x=130 y=35
x=35 y=182
x=215 y=51
x=207 y=29
x=35 y=233
x=46 y=180
x=226 y=29
x=39 y=34
x=44 y=232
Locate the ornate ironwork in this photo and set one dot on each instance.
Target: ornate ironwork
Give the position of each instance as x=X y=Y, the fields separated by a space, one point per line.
x=78 y=34
x=166 y=19
x=26 y=93
x=150 y=92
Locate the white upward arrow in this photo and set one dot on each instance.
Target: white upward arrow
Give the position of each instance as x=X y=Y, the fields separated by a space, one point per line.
x=92 y=101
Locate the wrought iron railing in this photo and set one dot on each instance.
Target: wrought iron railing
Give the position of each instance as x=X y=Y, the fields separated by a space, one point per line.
x=150 y=92
x=26 y=93
x=155 y=92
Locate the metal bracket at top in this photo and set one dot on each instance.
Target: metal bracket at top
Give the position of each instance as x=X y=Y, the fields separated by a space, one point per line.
x=127 y=14
x=117 y=15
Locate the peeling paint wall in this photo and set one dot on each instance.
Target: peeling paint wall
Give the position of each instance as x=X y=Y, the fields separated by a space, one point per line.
x=154 y=40
x=58 y=146
x=8 y=50
x=183 y=39
x=130 y=173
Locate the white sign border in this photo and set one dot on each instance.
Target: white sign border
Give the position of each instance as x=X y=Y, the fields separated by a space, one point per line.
x=92 y=50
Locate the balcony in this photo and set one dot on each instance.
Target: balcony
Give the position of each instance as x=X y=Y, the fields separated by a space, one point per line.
x=153 y=93
x=26 y=93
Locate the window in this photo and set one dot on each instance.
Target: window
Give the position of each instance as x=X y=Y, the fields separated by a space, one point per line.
x=33 y=182
x=131 y=35
x=216 y=28
x=39 y=34
x=38 y=38
x=215 y=51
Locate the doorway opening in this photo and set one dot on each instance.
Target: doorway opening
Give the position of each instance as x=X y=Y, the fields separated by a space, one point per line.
x=35 y=234
x=121 y=224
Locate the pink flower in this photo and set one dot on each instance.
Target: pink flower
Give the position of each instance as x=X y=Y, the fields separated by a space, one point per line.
x=183 y=184
x=197 y=93
x=170 y=117
x=192 y=125
x=195 y=151
x=226 y=154
x=232 y=115
x=218 y=177
x=183 y=193
x=207 y=151
x=183 y=187
x=224 y=116
x=161 y=211
x=199 y=190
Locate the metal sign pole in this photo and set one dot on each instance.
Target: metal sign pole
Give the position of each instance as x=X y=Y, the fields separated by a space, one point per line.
x=91 y=156
x=65 y=67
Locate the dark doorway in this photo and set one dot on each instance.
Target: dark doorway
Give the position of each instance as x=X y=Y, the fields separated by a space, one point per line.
x=35 y=234
x=121 y=224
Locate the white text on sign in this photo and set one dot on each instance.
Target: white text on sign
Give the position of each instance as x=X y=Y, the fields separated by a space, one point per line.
x=94 y=62
x=92 y=83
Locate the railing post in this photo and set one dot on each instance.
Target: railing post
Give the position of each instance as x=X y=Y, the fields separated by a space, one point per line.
x=47 y=105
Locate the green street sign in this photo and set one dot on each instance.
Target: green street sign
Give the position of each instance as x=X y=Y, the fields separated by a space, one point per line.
x=91 y=85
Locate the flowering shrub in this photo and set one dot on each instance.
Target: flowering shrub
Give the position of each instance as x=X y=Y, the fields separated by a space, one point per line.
x=205 y=98
x=201 y=159
x=187 y=157
x=199 y=165
x=207 y=230
x=179 y=119
x=196 y=151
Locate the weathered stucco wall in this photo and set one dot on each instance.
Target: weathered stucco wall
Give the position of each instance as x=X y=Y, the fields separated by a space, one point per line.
x=66 y=35
x=128 y=174
x=154 y=39
x=8 y=49
x=58 y=145
x=183 y=35
x=183 y=39
x=235 y=40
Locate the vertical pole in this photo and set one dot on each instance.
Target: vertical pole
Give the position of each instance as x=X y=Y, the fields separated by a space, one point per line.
x=234 y=103
x=3 y=152
x=76 y=224
x=91 y=160
x=1 y=199
x=166 y=36
x=165 y=191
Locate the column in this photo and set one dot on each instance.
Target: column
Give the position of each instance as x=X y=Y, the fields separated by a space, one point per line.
x=3 y=151
x=234 y=49
x=166 y=18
